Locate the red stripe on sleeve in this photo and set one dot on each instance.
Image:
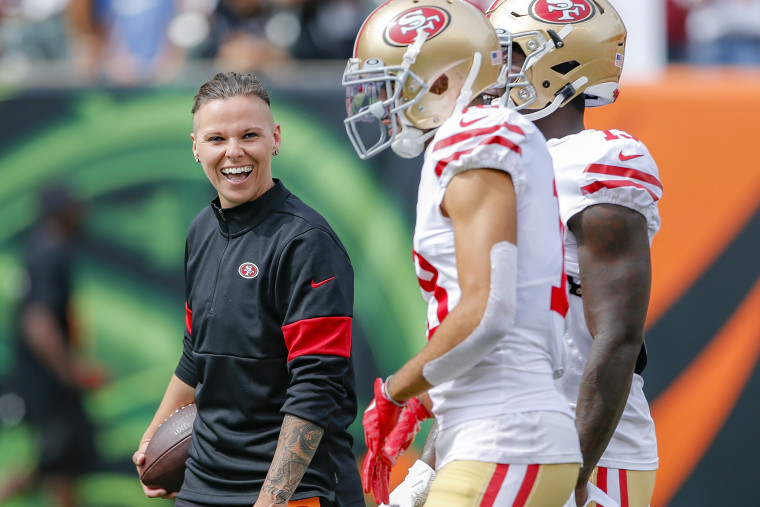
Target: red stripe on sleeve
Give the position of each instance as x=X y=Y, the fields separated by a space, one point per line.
x=467 y=134
x=598 y=185
x=527 y=486
x=624 y=172
x=325 y=336
x=623 y=478
x=514 y=128
x=494 y=485
x=601 y=481
x=503 y=141
x=188 y=319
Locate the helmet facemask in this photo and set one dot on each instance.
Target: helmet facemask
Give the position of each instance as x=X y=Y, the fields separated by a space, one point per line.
x=413 y=67
x=376 y=101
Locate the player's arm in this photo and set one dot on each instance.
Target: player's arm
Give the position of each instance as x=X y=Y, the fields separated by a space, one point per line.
x=177 y=395
x=615 y=269
x=296 y=446
x=481 y=204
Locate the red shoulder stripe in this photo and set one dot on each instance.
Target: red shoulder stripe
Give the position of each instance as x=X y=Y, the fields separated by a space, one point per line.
x=598 y=185
x=469 y=134
x=624 y=172
x=503 y=141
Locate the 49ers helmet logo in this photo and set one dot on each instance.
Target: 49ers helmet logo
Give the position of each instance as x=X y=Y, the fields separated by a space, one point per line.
x=248 y=270
x=405 y=27
x=562 y=11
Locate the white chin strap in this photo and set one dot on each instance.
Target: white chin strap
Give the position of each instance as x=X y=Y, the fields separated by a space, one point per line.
x=465 y=94
x=411 y=141
x=556 y=103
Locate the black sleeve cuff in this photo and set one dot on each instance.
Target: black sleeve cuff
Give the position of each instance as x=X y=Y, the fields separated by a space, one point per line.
x=316 y=390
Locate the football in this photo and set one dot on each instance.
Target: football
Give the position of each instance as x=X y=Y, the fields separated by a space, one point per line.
x=164 y=465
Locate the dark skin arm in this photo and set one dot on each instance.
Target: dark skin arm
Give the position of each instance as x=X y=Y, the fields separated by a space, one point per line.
x=615 y=269
x=296 y=447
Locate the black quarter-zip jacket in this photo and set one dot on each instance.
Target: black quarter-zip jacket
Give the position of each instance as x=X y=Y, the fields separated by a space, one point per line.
x=269 y=291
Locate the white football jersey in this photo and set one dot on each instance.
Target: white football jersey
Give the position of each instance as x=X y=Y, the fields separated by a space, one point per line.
x=606 y=167
x=517 y=376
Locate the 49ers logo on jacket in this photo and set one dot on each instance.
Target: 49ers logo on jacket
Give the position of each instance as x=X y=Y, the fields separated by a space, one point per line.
x=248 y=270
x=405 y=27
x=562 y=11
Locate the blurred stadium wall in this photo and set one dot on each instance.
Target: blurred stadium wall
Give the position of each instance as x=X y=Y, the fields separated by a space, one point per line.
x=127 y=152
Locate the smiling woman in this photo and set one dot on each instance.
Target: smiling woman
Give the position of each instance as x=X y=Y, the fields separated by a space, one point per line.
x=234 y=138
x=267 y=346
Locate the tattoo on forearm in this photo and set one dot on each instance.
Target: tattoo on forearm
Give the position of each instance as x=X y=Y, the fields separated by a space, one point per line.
x=296 y=447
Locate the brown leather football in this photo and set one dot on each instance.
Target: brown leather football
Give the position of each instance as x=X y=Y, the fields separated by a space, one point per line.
x=164 y=465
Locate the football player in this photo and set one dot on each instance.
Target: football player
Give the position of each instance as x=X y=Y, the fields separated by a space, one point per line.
x=563 y=57
x=488 y=257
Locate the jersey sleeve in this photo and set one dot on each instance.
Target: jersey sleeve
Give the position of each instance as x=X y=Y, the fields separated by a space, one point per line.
x=185 y=369
x=315 y=290
x=485 y=137
x=621 y=172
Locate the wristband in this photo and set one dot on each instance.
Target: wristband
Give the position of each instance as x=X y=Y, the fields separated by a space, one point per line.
x=388 y=396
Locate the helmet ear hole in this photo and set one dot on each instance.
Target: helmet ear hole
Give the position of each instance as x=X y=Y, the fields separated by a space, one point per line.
x=441 y=85
x=566 y=67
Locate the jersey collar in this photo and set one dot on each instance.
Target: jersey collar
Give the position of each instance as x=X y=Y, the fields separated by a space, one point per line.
x=241 y=218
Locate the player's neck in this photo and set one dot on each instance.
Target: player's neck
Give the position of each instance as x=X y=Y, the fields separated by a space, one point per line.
x=563 y=122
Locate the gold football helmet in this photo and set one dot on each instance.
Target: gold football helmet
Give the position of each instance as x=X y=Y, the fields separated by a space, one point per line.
x=569 y=47
x=415 y=64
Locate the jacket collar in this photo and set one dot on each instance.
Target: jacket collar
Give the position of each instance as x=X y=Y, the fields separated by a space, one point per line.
x=241 y=218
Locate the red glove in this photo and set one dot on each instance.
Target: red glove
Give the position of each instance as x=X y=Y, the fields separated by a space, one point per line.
x=379 y=419
x=377 y=476
x=402 y=436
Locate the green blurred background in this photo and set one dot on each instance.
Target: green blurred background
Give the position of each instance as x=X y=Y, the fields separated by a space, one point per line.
x=127 y=152
x=128 y=155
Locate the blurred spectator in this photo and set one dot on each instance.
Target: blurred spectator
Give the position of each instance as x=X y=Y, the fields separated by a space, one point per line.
x=30 y=31
x=238 y=35
x=256 y=34
x=723 y=31
x=124 y=41
x=152 y=41
x=675 y=14
x=328 y=29
x=47 y=376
